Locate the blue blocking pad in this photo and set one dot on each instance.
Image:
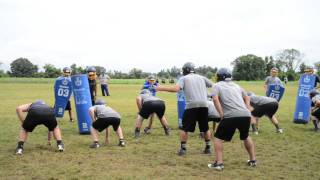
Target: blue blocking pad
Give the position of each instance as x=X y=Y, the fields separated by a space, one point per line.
x=62 y=93
x=303 y=103
x=275 y=91
x=82 y=99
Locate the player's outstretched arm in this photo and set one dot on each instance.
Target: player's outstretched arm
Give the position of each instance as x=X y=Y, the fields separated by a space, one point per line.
x=21 y=110
x=174 y=88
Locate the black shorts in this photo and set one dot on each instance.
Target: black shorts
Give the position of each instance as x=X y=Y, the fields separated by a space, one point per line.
x=228 y=126
x=191 y=116
x=214 y=119
x=268 y=109
x=316 y=112
x=68 y=106
x=151 y=107
x=103 y=123
x=36 y=117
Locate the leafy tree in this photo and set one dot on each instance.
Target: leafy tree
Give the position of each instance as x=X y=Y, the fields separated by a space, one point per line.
x=135 y=73
x=100 y=69
x=317 y=67
x=289 y=59
x=22 y=67
x=119 y=75
x=207 y=71
x=174 y=72
x=249 y=67
x=163 y=74
x=50 y=71
x=302 y=67
x=270 y=63
x=77 y=70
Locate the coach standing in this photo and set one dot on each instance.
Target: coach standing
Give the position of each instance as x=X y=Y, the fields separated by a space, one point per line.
x=195 y=90
x=91 y=71
x=272 y=79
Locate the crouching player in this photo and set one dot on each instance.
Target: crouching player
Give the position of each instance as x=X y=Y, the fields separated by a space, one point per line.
x=232 y=103
x=315 y=110
x=37 y=113
x=213 y=116
x=102 y=117
x=263 y=106
x=147 y=105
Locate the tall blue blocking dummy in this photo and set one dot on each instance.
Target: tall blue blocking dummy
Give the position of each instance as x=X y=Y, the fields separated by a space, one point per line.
x=82 y=99
x=275 y=91
x=181 y=103
x=62 y=93
x=302 y=113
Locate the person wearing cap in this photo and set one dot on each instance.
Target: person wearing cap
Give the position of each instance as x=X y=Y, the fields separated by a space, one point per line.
x=194 y=87
x=309 y=70
x=232 y=104
x=92 y=76
x=272 y=79
x=104 y=79
x=37 y=113
x=262 y=105
x=150 y=84
x=102 y=117
x=66 y=72
x=148 y=105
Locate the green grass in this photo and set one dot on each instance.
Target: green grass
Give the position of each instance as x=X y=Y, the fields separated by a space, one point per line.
x=292 y=155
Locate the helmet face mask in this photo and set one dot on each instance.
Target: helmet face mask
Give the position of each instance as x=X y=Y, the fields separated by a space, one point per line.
x=223 y=74
x=66 y=71
x=91 y=71
x=188 y=68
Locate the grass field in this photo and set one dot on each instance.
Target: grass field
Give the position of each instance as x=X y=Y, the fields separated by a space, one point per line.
x=292 y=155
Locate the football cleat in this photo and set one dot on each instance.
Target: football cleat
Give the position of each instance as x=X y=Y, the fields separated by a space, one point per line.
x=19 y=151
x=252 y=163
x=216 y=166
x=94 y=145
x=60 y=147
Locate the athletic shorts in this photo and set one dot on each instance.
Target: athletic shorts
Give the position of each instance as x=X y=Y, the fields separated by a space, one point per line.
x=194 y=115
x=315 y=112
x=214 y=119
x=37 y=117
x=151 y=107
x=103 y=123
x=68 y=107
x=228 y=126
x=268 y=109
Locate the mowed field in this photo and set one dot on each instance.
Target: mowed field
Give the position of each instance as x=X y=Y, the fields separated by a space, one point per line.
x=291 y=155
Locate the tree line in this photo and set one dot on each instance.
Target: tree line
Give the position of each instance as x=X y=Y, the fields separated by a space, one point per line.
x=22 y=67
x=246 y=67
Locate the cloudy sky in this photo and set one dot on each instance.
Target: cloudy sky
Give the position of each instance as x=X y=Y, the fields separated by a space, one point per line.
x=152 y=35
